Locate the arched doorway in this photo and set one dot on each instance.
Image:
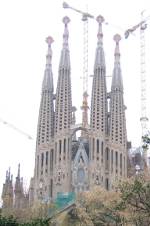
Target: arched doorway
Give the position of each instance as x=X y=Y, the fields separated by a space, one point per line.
x=80 y=160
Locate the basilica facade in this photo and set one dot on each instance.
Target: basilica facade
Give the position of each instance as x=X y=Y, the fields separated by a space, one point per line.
x=64 y=163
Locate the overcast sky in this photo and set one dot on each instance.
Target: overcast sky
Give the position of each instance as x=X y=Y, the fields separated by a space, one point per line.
x=24 y=25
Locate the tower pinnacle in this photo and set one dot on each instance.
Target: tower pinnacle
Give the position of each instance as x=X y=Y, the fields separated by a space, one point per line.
x=117 y=117
x=49 y=41
x=18 y=175
x=117 y=39
x=117 y=75
x=9 y=173
x=99 y=57
x=66 y=20
x=65 y=57
x=99 y=93
x=63 y=102
x=100 y=20
x=45 y=128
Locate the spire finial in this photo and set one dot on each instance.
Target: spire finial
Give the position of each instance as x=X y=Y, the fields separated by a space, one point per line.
x=18 y=171
x=6 y=175
x=117 y=39
x=9 y=173
x=65 y=20
x=49 y=41
x=100 y=20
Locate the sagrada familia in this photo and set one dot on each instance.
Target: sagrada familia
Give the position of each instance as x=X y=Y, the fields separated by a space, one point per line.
x=64 y=163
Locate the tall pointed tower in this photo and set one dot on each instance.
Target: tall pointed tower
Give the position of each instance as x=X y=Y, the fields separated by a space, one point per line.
x=98 y=119
x=18 y=191
x=45 y=129
x=63 y=118
x=43 y=176
x=118 y=135
x=7 y=193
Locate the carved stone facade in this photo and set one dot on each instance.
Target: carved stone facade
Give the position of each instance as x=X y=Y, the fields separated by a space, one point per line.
x=99 y=157
x=63 y=163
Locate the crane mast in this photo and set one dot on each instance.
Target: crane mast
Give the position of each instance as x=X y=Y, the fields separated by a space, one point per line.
x=84 y=107
x=143 y=119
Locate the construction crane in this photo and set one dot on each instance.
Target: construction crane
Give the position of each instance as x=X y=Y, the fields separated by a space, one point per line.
x=142 y=25
x=85 y=17
x=15 y=128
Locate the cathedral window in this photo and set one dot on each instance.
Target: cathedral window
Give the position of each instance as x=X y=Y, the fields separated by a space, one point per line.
x=42 y=159
x=51 y=159
x=97 y=146
x=107 y=159
x=116 y=156
x=51 y=188
x=112 y=155
x=64 y=147
x=68 y=147
x=55 y=152
x=124 y=164
x=107 y=184
x=121 y=163
x=81 y=175
x=102 y=151
x=59 y=147
x=93 y=147
x=47 y=158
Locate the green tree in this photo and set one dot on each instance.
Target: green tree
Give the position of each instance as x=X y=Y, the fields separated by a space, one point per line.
x=8 y=221
x=97 y=208
x=135 y=200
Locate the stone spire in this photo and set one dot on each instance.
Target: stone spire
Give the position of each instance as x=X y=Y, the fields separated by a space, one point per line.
x=45 y=130
x=18 y=181
x=65 y=56
x=117 y=76
x=99 y=57
x=7 y=192
x=63 y=104
x=18 y=191
x=18 y=171
x=48 y=75
x=99 y=100
x=63 y=118
x=117 y=108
